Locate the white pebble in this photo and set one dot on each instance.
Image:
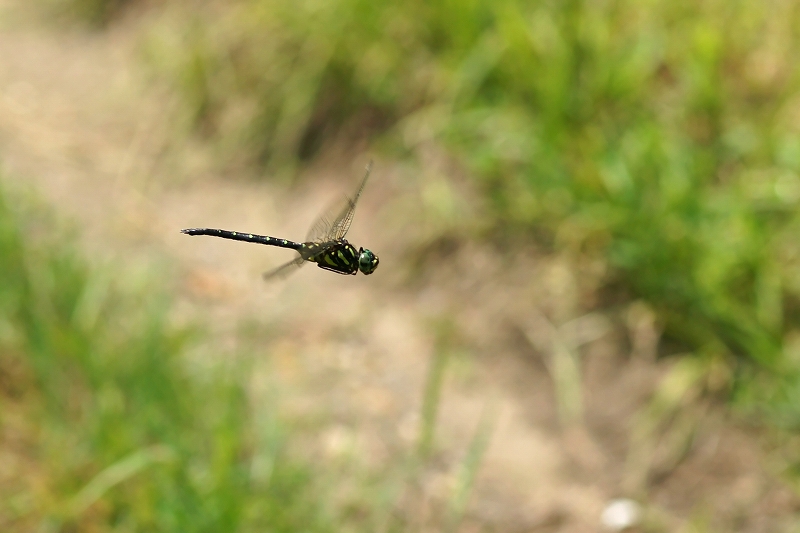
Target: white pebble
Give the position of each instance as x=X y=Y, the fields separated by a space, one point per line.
x=620 y=514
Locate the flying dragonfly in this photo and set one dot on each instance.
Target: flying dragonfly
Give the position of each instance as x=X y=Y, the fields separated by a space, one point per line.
x=325 y=243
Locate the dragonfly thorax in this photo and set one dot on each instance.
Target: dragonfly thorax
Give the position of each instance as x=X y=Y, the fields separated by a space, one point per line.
x=338 y=256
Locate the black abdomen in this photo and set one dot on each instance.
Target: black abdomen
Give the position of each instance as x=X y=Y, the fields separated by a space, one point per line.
x=246 y=237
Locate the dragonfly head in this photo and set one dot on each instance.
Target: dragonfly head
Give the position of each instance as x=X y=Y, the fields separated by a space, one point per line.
x=367 y=261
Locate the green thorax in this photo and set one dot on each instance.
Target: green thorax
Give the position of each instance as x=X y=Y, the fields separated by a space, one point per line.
x=339 y=256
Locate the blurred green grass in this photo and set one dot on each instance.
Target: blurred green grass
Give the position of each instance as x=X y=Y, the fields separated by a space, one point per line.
x=106 y=422
x=658 y=137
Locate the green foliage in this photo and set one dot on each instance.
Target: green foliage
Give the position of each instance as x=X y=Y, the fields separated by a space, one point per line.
x=661 y=135
x=117 y=432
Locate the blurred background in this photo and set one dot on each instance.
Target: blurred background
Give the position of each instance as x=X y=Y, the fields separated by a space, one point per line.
x=587 y=311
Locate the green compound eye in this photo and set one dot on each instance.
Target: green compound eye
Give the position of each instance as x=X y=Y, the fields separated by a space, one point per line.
x=367 y=261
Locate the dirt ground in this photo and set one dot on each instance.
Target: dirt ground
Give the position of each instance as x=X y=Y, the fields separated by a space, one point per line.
x=566 y=390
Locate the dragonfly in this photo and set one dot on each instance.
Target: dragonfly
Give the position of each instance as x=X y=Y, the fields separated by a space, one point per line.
x=325 y=243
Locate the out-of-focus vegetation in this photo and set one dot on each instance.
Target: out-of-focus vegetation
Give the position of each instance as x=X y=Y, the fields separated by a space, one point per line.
x=93 y=13
x=661 y=137
x=657 y=139
x=110 y=420
x=107 y=425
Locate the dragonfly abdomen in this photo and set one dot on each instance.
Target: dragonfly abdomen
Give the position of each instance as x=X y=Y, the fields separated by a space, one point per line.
x=246 y=237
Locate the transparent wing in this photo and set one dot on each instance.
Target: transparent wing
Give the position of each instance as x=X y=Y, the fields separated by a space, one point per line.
x=321 y=229
x=328 y=228
x=284 y=271
x=342 y=223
